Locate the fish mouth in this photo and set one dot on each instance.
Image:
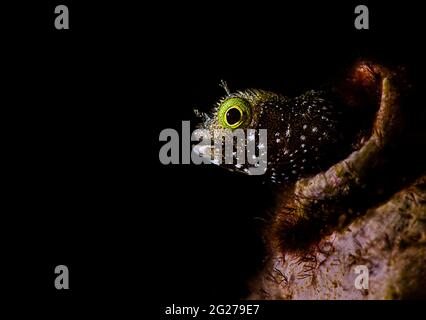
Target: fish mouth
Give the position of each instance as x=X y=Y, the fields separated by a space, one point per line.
x=205 y=152
x=208 y=156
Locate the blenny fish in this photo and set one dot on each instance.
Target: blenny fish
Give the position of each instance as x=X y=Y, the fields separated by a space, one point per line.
x=305 y=134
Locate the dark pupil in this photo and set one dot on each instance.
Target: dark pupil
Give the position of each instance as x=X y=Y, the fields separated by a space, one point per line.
x=233 y=116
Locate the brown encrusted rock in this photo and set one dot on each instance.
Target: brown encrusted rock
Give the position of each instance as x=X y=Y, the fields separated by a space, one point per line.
x=390 y=240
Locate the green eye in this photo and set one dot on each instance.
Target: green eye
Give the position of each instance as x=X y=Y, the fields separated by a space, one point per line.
x=234 y=113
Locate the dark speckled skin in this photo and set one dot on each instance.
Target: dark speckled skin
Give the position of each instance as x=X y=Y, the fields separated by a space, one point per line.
x=305 y=134
x=301 y=134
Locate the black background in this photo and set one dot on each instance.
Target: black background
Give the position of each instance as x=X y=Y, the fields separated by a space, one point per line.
x=84 y=184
